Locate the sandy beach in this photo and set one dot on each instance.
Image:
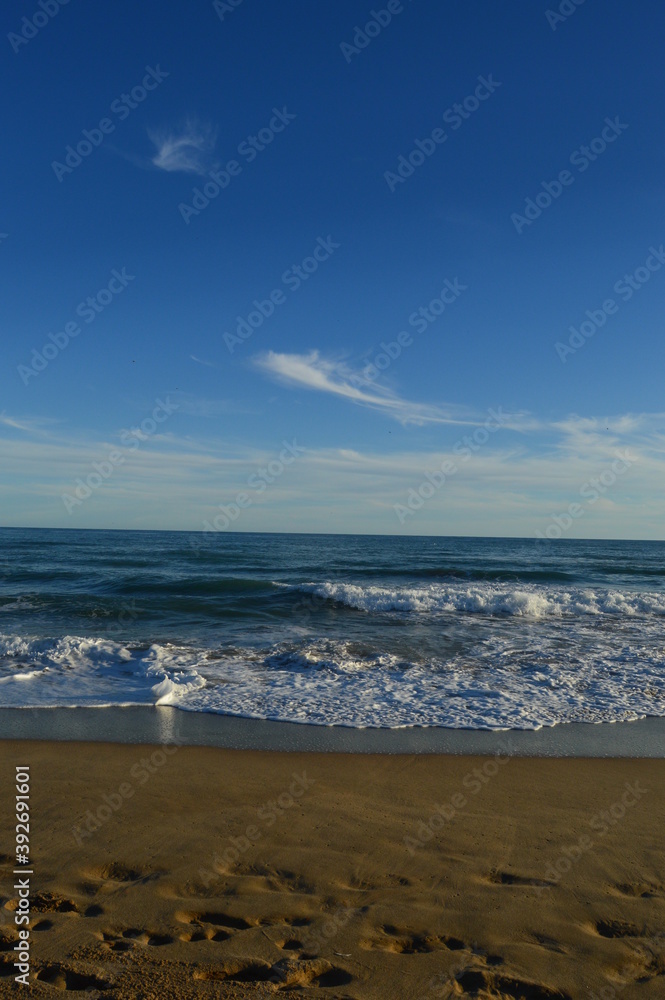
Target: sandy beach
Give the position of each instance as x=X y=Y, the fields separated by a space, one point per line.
x=203 y=872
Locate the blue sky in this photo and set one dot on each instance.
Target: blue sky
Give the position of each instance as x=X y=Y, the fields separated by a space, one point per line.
x=356 y=204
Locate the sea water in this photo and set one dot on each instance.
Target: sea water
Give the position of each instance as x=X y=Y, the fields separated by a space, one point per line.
x=359 y=631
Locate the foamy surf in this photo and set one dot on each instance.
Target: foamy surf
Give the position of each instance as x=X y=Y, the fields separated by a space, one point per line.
x=529 y=601
x=353 y=631
x=336 y=683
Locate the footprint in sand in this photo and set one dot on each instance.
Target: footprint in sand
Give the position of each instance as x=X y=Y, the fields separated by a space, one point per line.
x=64 y=978
x=285 y=973
x=274 y=879
x=648 y=947
x=288 y=944
x=243 y=880
x=619 y=929
x=640 y=890
x=50 y=902
x=46 y=902
x=492 y=985
x=211 y=926
x=43 y=925
x=400 y=942
x=510 y=878
x=115 y=877
x=117 y=872
x=133 y=936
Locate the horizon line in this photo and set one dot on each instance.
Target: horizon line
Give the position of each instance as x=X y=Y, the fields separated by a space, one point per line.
x=341 y=534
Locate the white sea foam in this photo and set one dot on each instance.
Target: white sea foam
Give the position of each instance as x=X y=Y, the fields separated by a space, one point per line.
x=329 y=682
x=171 y=692
x=490 y=599
x=76 y=671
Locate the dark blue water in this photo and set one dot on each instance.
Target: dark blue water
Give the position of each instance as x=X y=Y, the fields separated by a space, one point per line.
x=347 y=630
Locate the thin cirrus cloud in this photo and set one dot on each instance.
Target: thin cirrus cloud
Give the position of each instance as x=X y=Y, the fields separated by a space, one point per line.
x=312 y=371
x=202 y=361
x=188 y=150
x=175 y=480
x=36 y=425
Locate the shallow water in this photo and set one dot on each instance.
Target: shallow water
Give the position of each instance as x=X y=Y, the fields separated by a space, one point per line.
x=347 y=630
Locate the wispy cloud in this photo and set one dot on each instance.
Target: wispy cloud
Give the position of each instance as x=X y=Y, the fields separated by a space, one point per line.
x=176 y=482
x=202 y=361
x=31 y=425
x=188 y=149
x=312 y=371
x=583 y=436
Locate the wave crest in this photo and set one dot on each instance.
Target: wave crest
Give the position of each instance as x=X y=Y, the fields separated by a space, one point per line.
x=530 y=600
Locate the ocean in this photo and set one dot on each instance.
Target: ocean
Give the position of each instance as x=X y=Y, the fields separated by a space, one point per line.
x=341 y=630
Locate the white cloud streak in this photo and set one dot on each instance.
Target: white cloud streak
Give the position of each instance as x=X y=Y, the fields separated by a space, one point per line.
x=31 y=425
x=314 y=372
x=511 y=486
x=202 y=361
x=188 y=150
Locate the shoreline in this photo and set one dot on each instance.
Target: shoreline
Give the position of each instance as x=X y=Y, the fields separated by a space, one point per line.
x=642 y=738
x=207 y=872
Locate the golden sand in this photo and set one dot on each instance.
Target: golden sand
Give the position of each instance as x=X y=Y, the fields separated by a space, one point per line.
x=204 y=872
